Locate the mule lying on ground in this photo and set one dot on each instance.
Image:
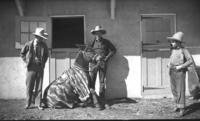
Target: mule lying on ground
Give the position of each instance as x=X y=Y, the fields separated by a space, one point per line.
x=72 y=86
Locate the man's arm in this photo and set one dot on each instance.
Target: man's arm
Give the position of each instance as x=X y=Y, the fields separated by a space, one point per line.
x=23 y=53
x=112 y=51
x=188 y=57
x=46 y=53
x=188 y=62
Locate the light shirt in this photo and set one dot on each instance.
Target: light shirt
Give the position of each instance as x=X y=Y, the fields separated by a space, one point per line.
x=181 y=57
x=37 y=50
x=177 y=57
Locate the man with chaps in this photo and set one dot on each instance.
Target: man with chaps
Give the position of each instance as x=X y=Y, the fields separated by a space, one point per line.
x=106 y=50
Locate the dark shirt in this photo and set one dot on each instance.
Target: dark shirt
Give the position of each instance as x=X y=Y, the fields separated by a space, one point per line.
x=37 y=54
x=104 y=48
x=28 y=54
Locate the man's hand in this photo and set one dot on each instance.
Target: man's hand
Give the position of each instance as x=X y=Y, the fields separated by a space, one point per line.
x=106 y=59
x=99 y=58
x=179 y=67
x=168 y=65
x=94 y=68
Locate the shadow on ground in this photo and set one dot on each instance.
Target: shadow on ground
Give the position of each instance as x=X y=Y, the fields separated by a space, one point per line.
x=121 y=100
x=123 y=109
x=192 y=108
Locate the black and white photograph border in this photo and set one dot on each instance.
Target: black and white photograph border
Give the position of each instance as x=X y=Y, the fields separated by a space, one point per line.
x=139 y=51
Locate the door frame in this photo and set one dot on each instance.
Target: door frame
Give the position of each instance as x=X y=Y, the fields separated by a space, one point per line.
x=52 y=61
x=65 y=16
x=152 y=14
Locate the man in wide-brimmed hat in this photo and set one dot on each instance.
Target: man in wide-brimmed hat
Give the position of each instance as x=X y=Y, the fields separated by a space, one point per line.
x=180 y=61
x=35 y=55
x=105 y=49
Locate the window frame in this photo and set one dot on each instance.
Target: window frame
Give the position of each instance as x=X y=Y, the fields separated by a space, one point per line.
x=19 y=19
x=69 y=16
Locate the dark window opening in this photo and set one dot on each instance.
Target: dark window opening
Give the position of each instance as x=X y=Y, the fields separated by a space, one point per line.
x=67 y=32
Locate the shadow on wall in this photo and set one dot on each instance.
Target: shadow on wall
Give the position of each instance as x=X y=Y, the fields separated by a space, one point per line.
x=198 y=70
x=117 y=73
x=194 y=82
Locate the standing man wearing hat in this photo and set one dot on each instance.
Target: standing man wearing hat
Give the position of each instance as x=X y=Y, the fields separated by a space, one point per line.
x=105 y=49
x=180 y=60
x=35 y=55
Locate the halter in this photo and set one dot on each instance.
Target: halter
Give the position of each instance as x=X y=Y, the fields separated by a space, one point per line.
x=79 y=67
x=93 y=58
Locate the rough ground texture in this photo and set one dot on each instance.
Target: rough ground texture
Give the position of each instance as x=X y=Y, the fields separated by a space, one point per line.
x=121 y=109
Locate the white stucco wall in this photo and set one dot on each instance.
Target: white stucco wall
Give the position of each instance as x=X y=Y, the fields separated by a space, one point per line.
x=13 y=74
x=196 y=58
x=132 y=87
x=12 y=78
x=133 y=81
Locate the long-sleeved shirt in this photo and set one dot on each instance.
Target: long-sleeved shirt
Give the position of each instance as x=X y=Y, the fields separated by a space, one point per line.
x=28 y=53
x=104 y=48
x=181 y=57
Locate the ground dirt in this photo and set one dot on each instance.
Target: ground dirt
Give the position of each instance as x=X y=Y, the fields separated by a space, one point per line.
x=121 y=109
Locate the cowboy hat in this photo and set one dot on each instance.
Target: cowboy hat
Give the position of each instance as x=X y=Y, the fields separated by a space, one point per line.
x=98 y=29
x=39 y=31
x=178 y=36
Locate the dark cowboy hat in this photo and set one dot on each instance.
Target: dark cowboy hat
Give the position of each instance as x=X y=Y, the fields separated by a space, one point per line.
x=98 y=29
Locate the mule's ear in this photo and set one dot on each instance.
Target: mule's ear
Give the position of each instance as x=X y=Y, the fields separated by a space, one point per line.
x=81 y=47
x=89 y=49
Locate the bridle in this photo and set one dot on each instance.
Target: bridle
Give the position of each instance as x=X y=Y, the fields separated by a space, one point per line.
x=79 y=66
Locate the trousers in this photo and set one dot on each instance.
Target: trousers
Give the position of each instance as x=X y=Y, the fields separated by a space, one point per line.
x=34 y=81
x=102 y=81
x=177 y=81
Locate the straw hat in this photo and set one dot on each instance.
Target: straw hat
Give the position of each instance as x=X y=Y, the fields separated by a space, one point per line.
x=98 y=29
x=178 y=36
x=40 y=32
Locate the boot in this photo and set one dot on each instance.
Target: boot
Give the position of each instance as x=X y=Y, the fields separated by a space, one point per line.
x=182 y=112
x=95 y=100
x=176 y=109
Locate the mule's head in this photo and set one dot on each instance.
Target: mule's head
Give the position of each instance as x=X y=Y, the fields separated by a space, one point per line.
x=86 y=55
x=91 y=55
x=86 y=51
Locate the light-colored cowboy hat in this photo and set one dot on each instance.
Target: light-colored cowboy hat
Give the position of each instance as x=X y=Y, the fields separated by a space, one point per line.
x=178 y=36
x=98 y=29
x=39 y=31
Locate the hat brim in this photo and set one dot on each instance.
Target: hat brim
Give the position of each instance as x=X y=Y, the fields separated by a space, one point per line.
x=98 y=31
x=40 y=35
x=171 y=38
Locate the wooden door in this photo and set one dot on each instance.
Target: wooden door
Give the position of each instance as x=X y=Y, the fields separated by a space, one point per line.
x=60 y=61
x=67 y=31
x=155 y=53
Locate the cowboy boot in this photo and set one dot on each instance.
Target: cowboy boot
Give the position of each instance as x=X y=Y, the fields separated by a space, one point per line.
x=95 y=100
